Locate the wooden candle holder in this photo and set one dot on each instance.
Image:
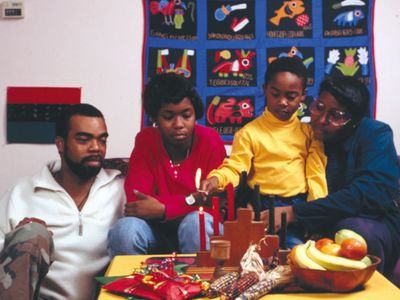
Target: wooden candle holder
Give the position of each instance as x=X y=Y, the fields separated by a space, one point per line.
x=241 y=233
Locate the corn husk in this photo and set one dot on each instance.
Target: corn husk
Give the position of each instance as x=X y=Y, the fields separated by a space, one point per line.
x=274 y=279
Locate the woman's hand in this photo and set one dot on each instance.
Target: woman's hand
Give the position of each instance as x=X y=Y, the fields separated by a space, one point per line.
x=209 y=185
x=200 y=197
x=146 y=207
x=290 y=217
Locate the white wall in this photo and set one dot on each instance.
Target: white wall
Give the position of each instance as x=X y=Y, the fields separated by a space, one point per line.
x=387 y=42
x=97 y=45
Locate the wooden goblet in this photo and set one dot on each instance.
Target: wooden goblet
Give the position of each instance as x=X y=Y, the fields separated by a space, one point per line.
x=220 y=250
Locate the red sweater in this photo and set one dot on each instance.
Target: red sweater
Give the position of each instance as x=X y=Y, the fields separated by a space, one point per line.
x=150 y=170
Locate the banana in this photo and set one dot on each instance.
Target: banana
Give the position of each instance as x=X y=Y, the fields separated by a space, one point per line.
x=302 y=260
x=331 y=262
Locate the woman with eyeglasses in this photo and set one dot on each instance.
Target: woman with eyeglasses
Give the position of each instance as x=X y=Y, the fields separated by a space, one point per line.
x=362 y=172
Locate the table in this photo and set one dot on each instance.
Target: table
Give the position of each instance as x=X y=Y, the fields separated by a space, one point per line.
x=378 y=287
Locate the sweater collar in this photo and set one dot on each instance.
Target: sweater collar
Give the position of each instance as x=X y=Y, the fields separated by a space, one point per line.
x=46 y=180
x=279 y=123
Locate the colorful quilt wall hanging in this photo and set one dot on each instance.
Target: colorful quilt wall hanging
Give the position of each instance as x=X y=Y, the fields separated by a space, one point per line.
x=224 y=47
x=32 y=112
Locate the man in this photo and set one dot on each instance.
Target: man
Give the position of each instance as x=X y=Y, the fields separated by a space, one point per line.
x=76 y=200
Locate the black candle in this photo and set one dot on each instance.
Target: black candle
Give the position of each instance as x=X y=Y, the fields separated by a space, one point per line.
x=271 y=221
x=283 y=232
x=241 y=200
x=256 y=202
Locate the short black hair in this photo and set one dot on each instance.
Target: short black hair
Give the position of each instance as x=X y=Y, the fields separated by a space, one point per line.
x=82 y=109
x=168 y=88
x=351 y=93
x=286 y=64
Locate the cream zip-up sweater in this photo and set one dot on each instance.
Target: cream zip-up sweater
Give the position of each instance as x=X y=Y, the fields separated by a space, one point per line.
x=80 y=237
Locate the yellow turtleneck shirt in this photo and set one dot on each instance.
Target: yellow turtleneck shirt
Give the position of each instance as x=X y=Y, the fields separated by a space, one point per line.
x=281 y=156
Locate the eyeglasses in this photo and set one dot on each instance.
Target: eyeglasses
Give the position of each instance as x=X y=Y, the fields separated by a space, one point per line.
x=334 y=117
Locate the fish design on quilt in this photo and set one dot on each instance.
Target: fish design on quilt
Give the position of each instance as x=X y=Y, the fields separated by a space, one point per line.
x=289 y=9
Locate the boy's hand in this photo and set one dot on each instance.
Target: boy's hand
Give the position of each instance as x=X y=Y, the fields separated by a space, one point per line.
x=146 y=207
x=209 y=185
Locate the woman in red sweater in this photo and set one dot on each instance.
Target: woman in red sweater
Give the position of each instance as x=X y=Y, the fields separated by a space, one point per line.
x=160 y=185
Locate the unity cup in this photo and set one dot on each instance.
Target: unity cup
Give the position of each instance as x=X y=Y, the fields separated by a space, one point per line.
x=220 y=251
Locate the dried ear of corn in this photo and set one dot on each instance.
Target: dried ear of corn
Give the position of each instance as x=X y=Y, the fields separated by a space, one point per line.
x=274 y=279
x=222 y=284
x=238 y=287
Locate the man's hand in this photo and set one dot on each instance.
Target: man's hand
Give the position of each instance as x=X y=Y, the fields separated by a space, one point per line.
x=30 y=220
x=146 y=207
x=209 y=185
x=290 y=217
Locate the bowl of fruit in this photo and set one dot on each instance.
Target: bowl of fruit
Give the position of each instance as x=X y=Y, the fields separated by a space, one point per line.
x=339 y=265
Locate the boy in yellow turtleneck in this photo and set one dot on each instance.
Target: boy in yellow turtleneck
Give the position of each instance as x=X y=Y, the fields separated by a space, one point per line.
x=277 y=151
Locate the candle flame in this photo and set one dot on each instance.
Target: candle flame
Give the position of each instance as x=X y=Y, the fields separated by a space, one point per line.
x=197 y=178
x=201 y=209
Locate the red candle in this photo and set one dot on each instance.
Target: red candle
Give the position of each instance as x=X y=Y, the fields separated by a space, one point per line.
x=231 y=202
x=202 y=229
x=215 y=205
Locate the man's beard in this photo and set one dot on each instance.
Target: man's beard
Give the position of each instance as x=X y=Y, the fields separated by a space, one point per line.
x=79 y=168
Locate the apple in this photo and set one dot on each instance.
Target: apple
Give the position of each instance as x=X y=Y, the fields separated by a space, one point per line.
x=343 y=234
x=353 y=248
x=331 y=249
x=322 y=242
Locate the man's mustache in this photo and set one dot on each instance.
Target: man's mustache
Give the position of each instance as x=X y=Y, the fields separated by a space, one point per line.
x=92 y=158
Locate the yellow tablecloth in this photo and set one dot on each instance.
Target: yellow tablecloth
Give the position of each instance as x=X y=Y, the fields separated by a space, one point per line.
x=377 y=288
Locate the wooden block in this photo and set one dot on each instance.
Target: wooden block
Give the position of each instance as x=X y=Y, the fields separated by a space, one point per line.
x=282 y=255
x=269 y=246
x=207 y=272
x=204 y=259
x=241 y=233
